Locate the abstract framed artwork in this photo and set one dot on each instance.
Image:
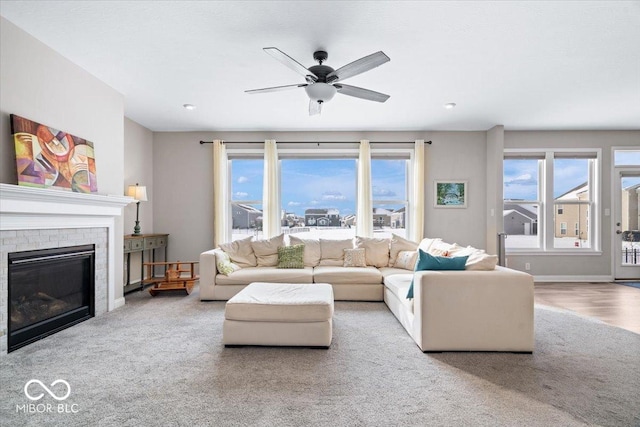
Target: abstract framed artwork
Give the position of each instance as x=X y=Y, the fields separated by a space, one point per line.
x=50 y=158
x=450 y=194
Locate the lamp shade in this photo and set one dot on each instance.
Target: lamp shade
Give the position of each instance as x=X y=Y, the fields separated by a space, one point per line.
x=320 y=91
x=138 y=192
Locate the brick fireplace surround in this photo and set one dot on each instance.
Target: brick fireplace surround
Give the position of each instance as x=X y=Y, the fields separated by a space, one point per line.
x=34 y=218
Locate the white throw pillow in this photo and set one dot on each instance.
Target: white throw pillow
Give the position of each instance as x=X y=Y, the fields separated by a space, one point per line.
x=312 y=252
x=440 y=248
x=477 y=260
x=376 y=250
x=332 y=251
x=224 y=264
x=426 y=243
x=406 y=260
x=266 y=250
x=400 y=244
x=241 y=252
x=355 y=257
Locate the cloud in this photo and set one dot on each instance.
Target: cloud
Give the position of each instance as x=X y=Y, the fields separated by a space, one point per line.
x=240 y=195
x=333 y=195
x=242 y=179
x=383 y=192
x=294 y=204
x=314 y=202
x=525 y=179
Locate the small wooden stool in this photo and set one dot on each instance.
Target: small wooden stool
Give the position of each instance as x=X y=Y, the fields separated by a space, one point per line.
x=178 y=276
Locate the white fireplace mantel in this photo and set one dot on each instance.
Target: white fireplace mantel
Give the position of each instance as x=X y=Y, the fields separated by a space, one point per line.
x=27 y=208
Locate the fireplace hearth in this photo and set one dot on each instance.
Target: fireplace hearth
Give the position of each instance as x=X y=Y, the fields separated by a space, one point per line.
x=49 y=290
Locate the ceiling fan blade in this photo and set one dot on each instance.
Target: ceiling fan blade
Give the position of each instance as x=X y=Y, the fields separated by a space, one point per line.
x=358 y=67
x=275 y=88
x=315 y=107
x=359 y=92
x=291 y=63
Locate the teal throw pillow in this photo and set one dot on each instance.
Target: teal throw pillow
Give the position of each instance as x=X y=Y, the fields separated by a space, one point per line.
x=291 y=256
x=427 y=261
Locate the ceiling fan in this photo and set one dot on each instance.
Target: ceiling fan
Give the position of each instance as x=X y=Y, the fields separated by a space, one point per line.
x=323 y=82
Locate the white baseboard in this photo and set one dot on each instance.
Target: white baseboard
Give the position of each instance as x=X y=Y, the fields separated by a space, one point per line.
x=119 y=302
x=573 y=278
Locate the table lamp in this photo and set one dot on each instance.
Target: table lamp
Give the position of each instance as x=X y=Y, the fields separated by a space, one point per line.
x=138 y=192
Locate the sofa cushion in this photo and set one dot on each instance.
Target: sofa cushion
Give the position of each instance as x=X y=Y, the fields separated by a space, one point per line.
x=439 y=248
x=354 y=258
x=223 y=263
x=286 y=302
x=376 y=250
x=478 y=259
x=266 y=250
x=347 y=275
x=311 y=250
x=271 y=274
x=398 y=244
x=427 y=261
x=407 y=260
x=332 y=251
x=390 y=271
x=291 y=256
x=399 y=284
x=241 y=252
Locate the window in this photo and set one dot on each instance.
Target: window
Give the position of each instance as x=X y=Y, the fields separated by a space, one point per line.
x=536 y=214
x=389 y=189
x=572 y=192
x=522 y=201
x=627 y=157
x=246 y=197
x=318 y=190
x=319 y=197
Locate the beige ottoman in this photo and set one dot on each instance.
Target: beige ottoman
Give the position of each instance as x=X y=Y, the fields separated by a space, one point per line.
x=280 y=314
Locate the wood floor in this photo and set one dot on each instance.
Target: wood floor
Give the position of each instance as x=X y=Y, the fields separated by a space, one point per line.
x=615 y=304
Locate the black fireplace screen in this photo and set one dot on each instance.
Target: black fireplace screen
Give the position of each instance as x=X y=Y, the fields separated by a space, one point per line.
x=49 y=290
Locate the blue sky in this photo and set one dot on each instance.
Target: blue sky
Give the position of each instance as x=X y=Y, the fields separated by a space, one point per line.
x=320 y=183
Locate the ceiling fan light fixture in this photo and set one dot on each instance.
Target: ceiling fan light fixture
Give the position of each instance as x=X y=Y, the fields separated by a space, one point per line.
x=320 y=91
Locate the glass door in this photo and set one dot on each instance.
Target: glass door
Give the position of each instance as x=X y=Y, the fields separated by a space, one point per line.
x=626 y=227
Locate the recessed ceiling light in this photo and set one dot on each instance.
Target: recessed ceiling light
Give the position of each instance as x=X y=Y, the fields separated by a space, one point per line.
x=450 y=105
x=189 y=106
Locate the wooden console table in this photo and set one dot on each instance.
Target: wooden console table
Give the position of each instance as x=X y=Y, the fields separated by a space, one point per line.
x=142 y=243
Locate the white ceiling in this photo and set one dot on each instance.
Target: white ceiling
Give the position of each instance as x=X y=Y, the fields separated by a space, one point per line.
x=526 y=65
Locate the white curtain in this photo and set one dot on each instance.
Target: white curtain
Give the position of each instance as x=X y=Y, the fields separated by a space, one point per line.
x=416 y=227
x=271 y=215
x=364 y=210
x=220 y=194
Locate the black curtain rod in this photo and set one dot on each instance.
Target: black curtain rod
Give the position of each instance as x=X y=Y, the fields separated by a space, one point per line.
x=313 y=142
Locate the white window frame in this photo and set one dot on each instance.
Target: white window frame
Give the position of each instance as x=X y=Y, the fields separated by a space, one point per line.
x=327 y=152
x=547 y=207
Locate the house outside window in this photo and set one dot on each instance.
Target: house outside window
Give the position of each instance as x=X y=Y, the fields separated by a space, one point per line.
x=540 y=187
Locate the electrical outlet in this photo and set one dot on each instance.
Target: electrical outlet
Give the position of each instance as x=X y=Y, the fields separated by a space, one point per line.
x=527 y=266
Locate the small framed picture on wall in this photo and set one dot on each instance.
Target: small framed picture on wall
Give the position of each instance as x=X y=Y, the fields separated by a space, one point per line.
x=450 y=194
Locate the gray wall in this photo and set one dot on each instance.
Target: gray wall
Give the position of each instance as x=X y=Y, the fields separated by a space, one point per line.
x=39 y=84
x=138 y=168
x=587 y=265
x=183 y=169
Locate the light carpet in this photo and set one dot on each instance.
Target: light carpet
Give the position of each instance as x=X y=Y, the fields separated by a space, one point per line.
x=160 y=361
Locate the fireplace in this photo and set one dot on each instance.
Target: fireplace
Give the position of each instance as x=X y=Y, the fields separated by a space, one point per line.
x=49 y=290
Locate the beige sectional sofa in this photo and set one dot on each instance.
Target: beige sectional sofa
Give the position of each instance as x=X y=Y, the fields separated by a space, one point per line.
x=483 y=308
